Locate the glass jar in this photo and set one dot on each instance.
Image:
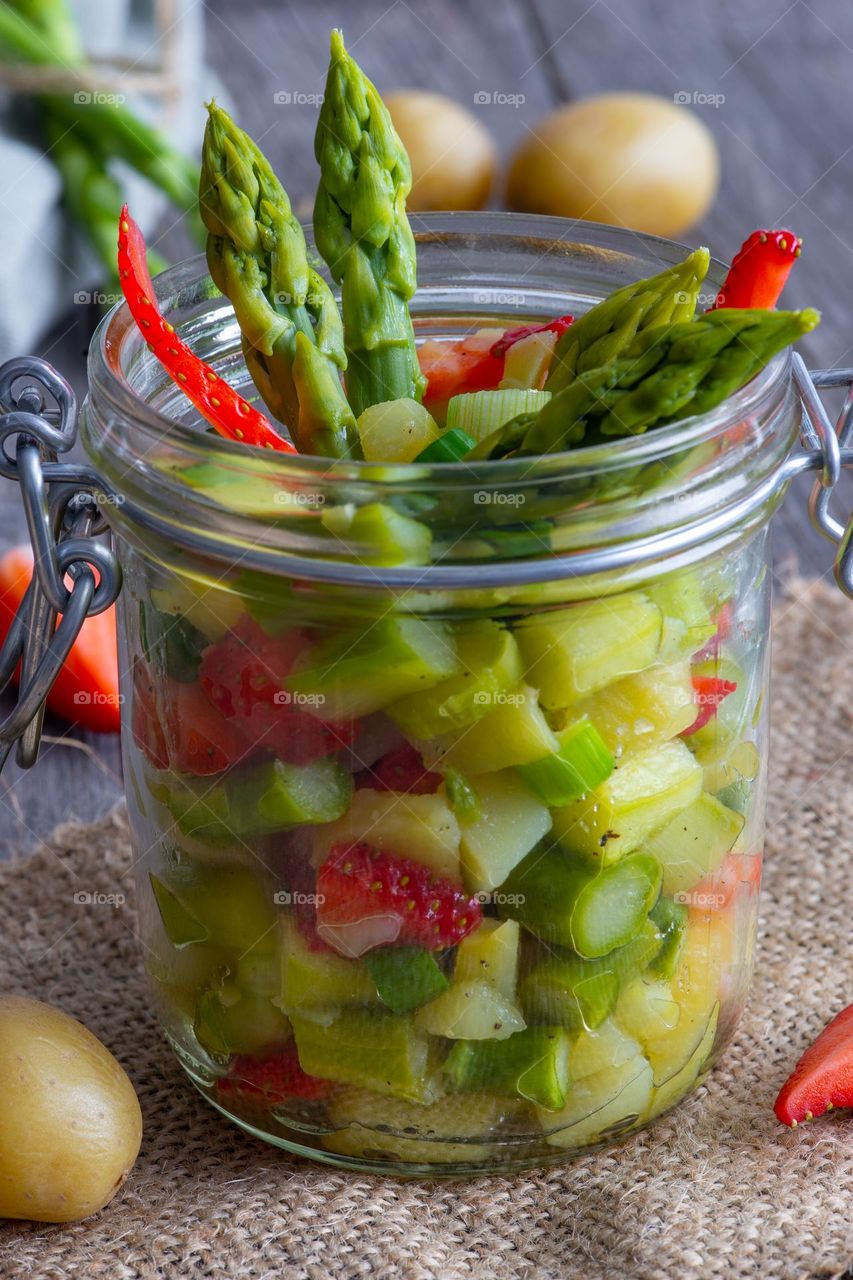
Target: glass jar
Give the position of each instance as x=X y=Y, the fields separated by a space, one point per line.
x=446 y=783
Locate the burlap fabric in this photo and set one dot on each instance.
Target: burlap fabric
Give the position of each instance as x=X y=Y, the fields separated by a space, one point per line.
x=717 y=1189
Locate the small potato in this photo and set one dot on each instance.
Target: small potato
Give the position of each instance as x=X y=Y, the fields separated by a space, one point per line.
x=70 y=1123
x=453 y=157
x=628 y=159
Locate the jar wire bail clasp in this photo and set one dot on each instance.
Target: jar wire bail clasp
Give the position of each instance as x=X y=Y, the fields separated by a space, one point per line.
x=76 y=574
x=827 y=450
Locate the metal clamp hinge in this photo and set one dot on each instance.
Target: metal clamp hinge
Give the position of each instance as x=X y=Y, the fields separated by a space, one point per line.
x=827 y=451
x=75 y=574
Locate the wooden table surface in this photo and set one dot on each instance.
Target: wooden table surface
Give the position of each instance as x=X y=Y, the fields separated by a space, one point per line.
x=773 y=81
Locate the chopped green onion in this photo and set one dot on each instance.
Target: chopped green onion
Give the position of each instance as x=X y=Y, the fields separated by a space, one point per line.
x=451 y=446
x=582 y=762
x=479 y=413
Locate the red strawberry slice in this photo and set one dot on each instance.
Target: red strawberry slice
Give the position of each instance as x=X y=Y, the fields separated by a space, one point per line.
x=823 y=1078
x=145 y=722
x=367 y=899
x=247 y=666
x=401 y=770
x=199 y=739
x=244 y=674
x=271 y=1080
x=511 y=336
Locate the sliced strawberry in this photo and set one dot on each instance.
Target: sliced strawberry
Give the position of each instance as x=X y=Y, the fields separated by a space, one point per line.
x=738 y=873
x=823 y=1078
x=367 y=899
x=271 y=1080
x=401 y=770
x=511 y=336
x=247 y=666
x=467 y=364
x=244 y=675
x=710 y=692
x=199 y=740
x=144 y=721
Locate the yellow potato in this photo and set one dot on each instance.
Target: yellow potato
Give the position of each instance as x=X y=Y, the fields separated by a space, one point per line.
x=628 y=159
x=70 y=1123
x=453 y=157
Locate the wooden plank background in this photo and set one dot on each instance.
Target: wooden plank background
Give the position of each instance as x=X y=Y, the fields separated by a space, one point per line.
x=784 y=127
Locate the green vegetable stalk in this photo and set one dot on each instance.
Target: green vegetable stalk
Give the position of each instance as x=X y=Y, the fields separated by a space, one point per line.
x=667 y=373
x=257 y=256
x=608 y=329
x=92 y=196
x=362 y=231
x=43 y=33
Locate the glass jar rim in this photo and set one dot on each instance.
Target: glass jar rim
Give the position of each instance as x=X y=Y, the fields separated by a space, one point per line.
x=105 y=371
x=452 y=247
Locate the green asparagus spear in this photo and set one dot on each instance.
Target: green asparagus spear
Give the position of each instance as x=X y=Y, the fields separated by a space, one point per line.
x=362 y=231
x=668 y=373
x=92 y=196
x=257 y=256
x=325 y=417
x=608 y=329
x=52 y=22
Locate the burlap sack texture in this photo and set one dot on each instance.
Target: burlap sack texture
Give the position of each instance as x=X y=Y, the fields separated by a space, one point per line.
x=717 y=1189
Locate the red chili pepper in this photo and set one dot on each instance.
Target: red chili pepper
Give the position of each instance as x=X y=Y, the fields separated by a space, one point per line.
x=219 y=403
x=710 y=692
x=723 y=622
x=509 y=339
x=823 y=1078
x=759 y=270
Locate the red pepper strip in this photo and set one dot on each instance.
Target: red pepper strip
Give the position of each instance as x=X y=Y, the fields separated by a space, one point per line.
x=224 y=409
x=723 y=622
x=710 y=692
x=509 y=339
x=823 y=1078
x=759 y=270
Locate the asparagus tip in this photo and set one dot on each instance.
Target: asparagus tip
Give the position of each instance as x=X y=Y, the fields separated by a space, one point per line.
x=809 y=319
x=701 y=259
x=339 y=50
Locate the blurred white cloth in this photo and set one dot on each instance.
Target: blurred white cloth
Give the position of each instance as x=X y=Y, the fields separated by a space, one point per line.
x=45 y=263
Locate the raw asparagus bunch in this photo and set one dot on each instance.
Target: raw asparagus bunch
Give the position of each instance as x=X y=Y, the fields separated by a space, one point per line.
x=43 y=33
x=91 y=193
x=667 y=373
x=608 y=329
x=362 y=231
x=258 y=258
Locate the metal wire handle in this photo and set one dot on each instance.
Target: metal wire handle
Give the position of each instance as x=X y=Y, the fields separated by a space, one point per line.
x=63 y=510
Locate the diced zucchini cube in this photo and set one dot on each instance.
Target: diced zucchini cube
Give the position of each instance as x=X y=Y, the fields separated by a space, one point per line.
x=490 y=663
x=643 y=710
x=597 y=1105
x=572 y=652
x=356 y=672
x=377 y=1051
x=640 y=796
x=395 y=430
x=693 y=844
x=512 y=821
x=513 y=731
